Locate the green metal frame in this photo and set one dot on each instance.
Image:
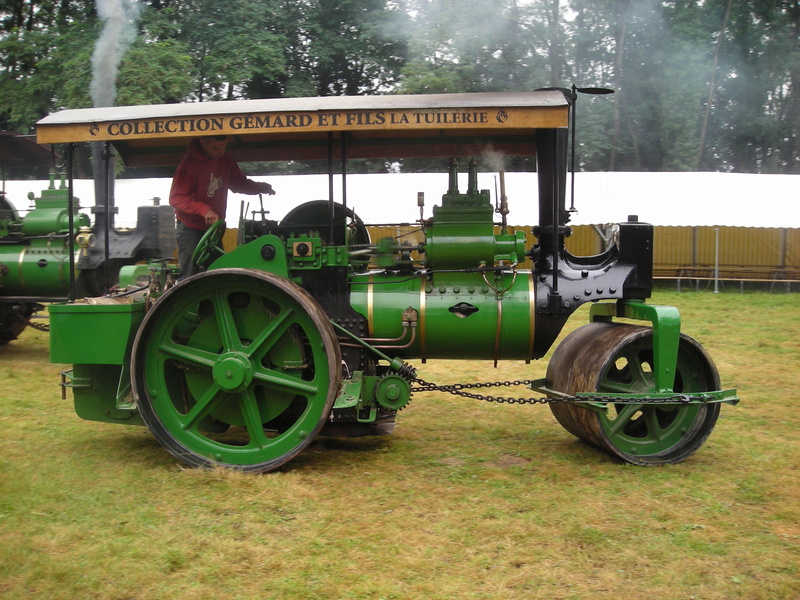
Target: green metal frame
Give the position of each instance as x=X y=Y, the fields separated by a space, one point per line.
x=600 y=400
x=666 y=321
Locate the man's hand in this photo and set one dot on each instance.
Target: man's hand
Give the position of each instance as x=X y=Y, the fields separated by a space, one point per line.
x=266 y=188
x=211 y=217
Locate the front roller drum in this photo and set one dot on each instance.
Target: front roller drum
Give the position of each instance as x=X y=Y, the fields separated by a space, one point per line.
x=616 y=358
x=237 y=368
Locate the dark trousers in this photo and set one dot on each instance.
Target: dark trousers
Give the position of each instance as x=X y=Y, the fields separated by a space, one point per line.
x=187 y=242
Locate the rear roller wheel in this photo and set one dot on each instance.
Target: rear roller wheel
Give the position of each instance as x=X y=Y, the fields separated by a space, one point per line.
x=237 y=368
x=618 y=358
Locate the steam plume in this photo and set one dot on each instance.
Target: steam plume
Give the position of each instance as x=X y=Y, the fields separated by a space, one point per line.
x=119 y=19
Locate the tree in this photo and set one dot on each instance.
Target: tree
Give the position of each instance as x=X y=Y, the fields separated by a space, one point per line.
x=230 y=43
x=158 y=67
x=759 y=99
x=346 y=46
x=701 y=84
x=473 y=45
x=34 y=35
x=47 y=64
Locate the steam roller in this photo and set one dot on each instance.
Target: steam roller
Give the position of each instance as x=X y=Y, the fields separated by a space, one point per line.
x=305 y=327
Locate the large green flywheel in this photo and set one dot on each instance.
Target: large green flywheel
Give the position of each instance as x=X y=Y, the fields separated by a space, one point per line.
x=236 y=367
x=617 y=358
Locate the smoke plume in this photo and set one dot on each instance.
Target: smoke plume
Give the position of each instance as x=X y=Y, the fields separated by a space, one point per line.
x=119 y=18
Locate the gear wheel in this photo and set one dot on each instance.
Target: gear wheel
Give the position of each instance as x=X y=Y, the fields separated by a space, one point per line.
x=393 y=391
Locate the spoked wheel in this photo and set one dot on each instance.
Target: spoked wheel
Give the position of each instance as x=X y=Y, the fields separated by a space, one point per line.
x=618 y=358
x=237 y=368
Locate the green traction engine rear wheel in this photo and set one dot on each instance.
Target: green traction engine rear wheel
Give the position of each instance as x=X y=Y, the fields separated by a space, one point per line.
x=618 y=358
x=237 y=368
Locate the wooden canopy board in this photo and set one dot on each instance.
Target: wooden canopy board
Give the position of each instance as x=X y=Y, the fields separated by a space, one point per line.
x=318 y=128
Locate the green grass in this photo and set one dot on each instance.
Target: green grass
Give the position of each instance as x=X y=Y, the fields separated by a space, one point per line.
x=466 y=500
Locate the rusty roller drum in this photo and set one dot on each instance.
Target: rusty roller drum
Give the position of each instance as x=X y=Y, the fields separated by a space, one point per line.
x=618 y=358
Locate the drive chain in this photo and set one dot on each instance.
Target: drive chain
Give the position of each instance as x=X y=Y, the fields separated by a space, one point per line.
x=29 y=322
x=39 y=326
x=458 y=389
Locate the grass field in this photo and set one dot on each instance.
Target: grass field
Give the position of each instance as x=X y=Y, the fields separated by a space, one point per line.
x=466 y=500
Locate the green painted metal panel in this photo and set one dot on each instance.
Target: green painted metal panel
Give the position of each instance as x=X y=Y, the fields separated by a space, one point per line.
x=100 y=392
x=93 y=333
x=458 y=313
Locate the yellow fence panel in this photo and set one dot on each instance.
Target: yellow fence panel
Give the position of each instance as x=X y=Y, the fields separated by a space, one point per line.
x=673 y=246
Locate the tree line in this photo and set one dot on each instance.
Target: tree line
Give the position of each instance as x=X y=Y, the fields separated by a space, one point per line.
x=700 y=85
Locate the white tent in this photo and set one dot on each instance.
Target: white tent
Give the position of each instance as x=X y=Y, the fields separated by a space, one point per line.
x=723 y=199
x=693 y=199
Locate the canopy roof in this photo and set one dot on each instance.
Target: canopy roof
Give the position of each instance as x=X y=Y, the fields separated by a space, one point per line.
x=319 y=128
x=18 y=150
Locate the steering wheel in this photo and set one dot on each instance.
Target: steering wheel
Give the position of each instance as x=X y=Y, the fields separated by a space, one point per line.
x=209 y=244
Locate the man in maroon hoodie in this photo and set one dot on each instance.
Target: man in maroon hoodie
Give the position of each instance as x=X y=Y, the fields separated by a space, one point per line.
x=199 y=193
